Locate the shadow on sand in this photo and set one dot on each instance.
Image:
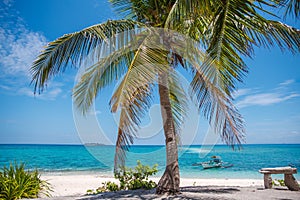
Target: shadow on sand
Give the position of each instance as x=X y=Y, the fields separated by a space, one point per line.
x=194 y=192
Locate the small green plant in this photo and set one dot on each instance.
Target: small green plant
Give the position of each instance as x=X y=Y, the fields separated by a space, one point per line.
x=136 y=178
x=130 y=179
x=111 y=186
x=106 y=187
x=278 y=182
x=17 y=183
x=90 y=192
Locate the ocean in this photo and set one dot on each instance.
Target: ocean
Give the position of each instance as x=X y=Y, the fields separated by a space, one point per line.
x=55 y=159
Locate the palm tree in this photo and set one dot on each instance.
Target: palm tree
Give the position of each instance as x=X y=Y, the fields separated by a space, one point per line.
x=225 y=29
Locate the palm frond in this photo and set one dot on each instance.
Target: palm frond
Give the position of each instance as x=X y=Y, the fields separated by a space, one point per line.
x=148 y=61
x=129 y=122
x=214 y=101
x=132 y=96
x=134 y=9
x=183 y=10
x=217 y=107
x=237 y=28
x=284 y=36
x=178 y=100
x=107 y=69
x=292 y=7
x=151 y=12
x=72 y=49
x=98 y=76
x=269 y=33
x=127 y=8
x=227 y=42
x=211 y=92
x=190 y=18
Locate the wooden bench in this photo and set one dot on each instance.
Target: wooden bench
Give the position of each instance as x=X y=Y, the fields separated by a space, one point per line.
x=289 y=179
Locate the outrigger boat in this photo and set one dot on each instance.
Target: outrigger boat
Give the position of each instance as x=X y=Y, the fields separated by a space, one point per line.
x=215 y=162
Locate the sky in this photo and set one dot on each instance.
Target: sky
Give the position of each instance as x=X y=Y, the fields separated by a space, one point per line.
x=268 y=98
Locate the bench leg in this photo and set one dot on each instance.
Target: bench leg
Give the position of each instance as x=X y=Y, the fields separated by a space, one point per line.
x=290 y=182
x=267 y=181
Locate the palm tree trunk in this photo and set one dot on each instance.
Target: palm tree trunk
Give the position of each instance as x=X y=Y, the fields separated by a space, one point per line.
x=169 y=182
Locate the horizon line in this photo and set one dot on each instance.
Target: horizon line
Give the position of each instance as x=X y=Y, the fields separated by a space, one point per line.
x=100 y=144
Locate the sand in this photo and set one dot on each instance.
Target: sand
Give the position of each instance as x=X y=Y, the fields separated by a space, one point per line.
x=74 y=186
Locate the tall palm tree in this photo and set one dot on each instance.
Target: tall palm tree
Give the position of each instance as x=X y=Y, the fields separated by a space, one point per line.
x=225 y=30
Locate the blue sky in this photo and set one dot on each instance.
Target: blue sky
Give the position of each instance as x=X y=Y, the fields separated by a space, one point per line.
x=269 y=98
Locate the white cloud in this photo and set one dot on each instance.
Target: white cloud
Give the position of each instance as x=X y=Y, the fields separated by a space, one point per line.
x=5 y=87
x=52 y=94
x=20 y=51
x=25 y=91
x=19 y=47
x=49 y=95
x=254 y=97
x=241 y=92
x=264 y=99
x=287 y=82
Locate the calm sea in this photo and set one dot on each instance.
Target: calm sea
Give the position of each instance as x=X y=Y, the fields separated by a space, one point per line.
x=99 y=159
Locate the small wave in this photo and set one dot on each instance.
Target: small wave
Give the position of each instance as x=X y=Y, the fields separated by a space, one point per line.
x=195 y=150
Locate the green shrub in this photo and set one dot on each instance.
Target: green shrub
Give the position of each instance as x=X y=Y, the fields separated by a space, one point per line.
x=111 y=186
x=106 y=187
x=130 y=179
x=136 y=178
x=16 y=183
x=278 y=182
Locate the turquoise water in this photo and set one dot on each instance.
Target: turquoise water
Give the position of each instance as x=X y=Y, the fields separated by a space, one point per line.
x=99 y=159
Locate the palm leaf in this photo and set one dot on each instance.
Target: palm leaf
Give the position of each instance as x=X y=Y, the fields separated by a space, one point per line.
x=284 y=36
x=268 y=33
x=217 y=107
x=129 y=122
x=215 y=104
x=234 y=32
x=190 y=18
x=178 y=100
x=72 y=49
x=133 y=93
x=292 y=7
x=107 y=69
x=129 y=9
x=210 y=93
x=237 y=28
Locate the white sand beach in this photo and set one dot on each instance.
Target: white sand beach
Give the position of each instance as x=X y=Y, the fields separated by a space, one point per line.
x=70 y=185
x=74 y=186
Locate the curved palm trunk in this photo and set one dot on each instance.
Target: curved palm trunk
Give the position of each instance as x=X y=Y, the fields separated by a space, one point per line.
x=169 y=182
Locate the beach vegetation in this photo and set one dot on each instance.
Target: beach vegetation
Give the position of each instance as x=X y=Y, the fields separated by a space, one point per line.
x=278 y=182
x=137 y=177
x=17 y=183
x=108 y=186
x=222 y=33
x=130 y=179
